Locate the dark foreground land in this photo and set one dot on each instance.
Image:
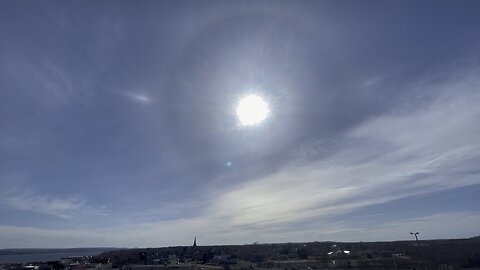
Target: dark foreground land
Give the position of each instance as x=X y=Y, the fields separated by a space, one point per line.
x=46 y=254
x=431 y=254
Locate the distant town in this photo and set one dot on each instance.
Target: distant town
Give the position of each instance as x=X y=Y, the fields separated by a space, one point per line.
x=431 y=254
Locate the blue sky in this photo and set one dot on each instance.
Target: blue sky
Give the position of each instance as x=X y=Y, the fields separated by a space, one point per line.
x=118 y=124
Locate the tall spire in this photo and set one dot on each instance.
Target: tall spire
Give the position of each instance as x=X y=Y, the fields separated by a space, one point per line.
x=195 y=241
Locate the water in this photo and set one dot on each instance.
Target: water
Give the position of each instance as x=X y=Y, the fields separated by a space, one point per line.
x=43 y=257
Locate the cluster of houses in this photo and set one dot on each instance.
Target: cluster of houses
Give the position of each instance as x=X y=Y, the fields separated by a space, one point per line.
x=67 y=263
x=336 y=250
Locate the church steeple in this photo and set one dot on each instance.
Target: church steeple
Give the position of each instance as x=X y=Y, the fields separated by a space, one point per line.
x=195 y=241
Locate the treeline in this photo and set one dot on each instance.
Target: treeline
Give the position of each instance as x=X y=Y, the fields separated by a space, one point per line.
x=18 y=251
x=431 y=254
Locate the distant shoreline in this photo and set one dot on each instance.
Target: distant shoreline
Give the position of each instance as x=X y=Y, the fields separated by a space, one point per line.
x=12 y=251
x=8 y=256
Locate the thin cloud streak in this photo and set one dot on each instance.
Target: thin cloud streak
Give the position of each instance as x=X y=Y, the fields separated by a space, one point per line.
x=402 y=155
x=62 y=207
x=386 y=158
x=116 y=126
x=138 y=97
x=179 y=232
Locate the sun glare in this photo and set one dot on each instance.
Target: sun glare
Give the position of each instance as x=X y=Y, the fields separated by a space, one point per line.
x=252 y=110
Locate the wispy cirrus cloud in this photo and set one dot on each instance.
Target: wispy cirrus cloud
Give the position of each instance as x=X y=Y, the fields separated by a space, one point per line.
x=62 y=207
x=181 y=231
x=99 y=106
x=139 y=97
x=388 y=157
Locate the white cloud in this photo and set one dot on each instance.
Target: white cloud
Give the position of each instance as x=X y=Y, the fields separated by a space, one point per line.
x=386 y=158
x=63 y=207
x=138 y=97
x=209 y=232
x=48 y=82
x=438 y=226
x=389 y=157
x=24 y=237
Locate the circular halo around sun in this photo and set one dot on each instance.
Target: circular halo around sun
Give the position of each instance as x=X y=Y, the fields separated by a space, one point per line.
x=252 y=110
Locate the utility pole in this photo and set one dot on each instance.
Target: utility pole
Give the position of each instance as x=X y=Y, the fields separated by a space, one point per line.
x=416 y=238
x=418 y=244
x=394 y=262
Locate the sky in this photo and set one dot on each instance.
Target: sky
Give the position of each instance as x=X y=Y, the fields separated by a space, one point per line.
x=118 y=122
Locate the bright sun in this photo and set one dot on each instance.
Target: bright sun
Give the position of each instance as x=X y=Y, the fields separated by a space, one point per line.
x=252 y=110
